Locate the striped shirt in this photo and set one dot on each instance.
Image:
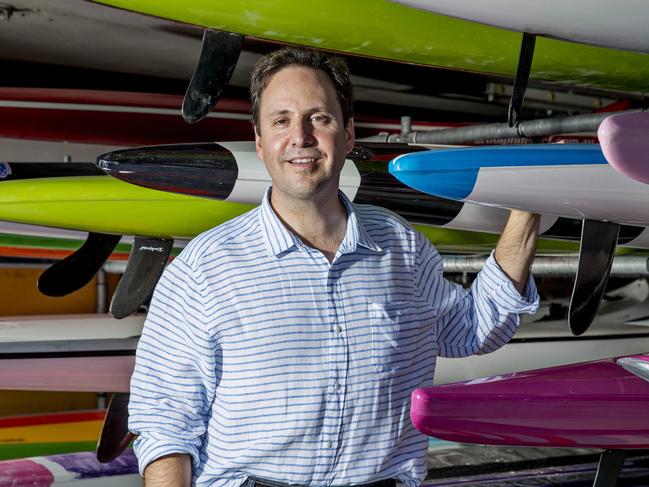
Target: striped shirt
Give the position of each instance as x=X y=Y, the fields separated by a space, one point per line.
x=259 y=357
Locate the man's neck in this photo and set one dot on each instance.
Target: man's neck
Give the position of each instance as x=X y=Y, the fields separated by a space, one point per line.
x=320 y=223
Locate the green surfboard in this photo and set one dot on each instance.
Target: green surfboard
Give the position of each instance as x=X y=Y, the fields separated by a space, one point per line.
x=107 y=205
x=382 y=29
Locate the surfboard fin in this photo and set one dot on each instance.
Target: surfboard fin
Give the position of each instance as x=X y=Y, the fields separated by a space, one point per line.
x=525 y=57
x=598 y=243
x=219 y=55
x=145 y=265
x=115 y=436
x=77 y=270
x=609 y=468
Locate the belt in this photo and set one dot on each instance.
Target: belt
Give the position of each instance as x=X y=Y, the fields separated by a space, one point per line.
x=259 y=482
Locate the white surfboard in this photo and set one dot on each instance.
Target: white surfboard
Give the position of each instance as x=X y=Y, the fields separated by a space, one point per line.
x=621 y=24
x=548 y=344
x=57 y=328
x=565 y=180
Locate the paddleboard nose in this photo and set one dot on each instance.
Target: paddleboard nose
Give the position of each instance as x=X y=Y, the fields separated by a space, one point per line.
x=442 y=177
x=623 y=138
x=453 y=173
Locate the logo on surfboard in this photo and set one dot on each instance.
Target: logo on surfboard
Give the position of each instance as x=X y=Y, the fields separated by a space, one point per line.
x=5 y=170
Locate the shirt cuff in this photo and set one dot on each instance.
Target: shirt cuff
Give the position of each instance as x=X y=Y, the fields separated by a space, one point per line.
x=149 y=449
x=498 y=284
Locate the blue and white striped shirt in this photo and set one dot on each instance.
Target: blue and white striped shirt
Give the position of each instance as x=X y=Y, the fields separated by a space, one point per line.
x=259 y=357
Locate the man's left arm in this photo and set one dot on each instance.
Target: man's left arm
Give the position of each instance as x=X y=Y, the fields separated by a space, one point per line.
x=486 y=317
x=515 y=249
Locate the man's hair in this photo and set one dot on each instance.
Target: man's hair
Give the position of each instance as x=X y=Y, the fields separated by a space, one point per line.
x=333 y=66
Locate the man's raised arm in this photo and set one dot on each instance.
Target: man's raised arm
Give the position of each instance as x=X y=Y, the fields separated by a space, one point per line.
x=515 y=249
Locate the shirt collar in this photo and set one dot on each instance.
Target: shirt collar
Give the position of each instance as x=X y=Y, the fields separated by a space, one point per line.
x=356 y=234
x=279 y=239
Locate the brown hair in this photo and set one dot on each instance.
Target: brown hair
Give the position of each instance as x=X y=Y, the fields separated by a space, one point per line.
x=335 y=67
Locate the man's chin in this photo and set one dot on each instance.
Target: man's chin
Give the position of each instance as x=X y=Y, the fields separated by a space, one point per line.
x=304 y=193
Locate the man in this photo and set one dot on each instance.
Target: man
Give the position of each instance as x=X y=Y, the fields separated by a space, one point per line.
x=281 y=347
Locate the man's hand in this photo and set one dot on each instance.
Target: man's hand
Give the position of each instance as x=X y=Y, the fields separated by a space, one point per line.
x=173 y=470
x=515 y=249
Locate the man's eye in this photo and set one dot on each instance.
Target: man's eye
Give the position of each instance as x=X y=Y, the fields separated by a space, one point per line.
x=280 y=122
x=320 y=118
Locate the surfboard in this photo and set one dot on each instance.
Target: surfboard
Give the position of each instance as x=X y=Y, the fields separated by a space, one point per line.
x=623 y=138
x=597 y=404
x=415 y=36
x=31 y=170
x=50 y=433
x=115 y=118
x=547 y=345
x=231 y=172
x=103 y=204
x=77 y=469
x=568 y=180
x=619 y=24
x=35 y=241
x=85 y=353
x=79 y=372
x=61 y=331
x=35 y=121
x=81 y=363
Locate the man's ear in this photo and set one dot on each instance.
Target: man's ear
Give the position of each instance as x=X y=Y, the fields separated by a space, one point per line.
x=258 y=148
x=350 y=135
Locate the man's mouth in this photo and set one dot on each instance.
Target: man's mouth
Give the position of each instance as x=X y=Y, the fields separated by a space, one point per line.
x=303 y=160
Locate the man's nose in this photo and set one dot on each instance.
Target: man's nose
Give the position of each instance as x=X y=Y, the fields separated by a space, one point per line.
x=302 y=134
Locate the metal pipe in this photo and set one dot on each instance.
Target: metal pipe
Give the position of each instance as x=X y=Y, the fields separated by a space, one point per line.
x=406 y=125
x=526 y=128
x=102 y=292
x=623 y=266
x=564 y=265
x=115 y=267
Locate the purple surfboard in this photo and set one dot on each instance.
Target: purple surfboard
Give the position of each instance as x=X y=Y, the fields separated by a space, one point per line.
x=73 y=468
x=624 y=139
x=599 y=404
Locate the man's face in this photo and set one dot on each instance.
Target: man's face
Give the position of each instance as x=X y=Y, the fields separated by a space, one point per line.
x=302 y=141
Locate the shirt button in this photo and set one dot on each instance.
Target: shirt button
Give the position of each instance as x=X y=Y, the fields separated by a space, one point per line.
x=338 y=386
x=330 y=444
x=339 y=329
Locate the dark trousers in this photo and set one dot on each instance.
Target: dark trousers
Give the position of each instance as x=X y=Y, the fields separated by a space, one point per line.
x=259 y=482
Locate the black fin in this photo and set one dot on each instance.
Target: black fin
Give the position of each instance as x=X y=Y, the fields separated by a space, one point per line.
x=115 y=435
x=609 y=468
x=219 y=55
x=598 y=243
x=145 y=265
x=78 y=269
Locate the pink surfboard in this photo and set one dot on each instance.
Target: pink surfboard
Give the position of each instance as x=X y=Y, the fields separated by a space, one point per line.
x=624 y=139
x=599 y=404
x=80 y=374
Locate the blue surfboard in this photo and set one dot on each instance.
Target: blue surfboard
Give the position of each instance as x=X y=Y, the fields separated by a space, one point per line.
x=453 y=173
x=564 y=180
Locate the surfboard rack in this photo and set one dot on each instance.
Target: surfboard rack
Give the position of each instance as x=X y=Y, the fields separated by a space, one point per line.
x=598 y=243
x=219 y=55
x=525 y=58
x=145 y=265
x=115 y=436
x=78 y=269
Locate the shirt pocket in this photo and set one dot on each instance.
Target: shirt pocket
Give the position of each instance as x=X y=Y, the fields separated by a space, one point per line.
x=393 y=334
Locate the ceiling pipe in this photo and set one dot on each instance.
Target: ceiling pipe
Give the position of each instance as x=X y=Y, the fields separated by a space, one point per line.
x=555 y=266
x=526 y=128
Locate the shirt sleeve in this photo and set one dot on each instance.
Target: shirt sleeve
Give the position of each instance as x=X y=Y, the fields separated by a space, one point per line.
x=175 y=373
x=476 y=320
